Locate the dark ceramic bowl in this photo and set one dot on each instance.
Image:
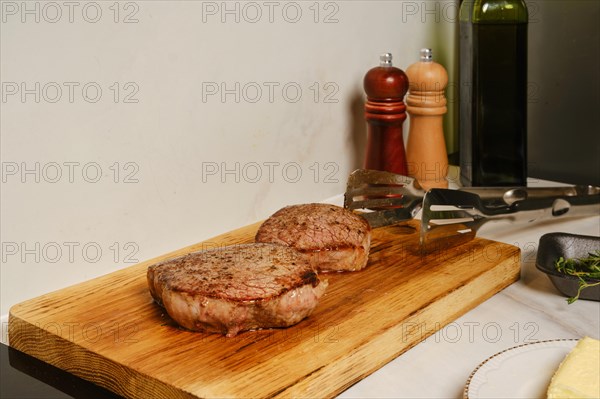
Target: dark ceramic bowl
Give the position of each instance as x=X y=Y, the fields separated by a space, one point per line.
x=554 y=245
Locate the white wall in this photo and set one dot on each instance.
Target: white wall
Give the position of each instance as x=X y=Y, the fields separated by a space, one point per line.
x=155 y=131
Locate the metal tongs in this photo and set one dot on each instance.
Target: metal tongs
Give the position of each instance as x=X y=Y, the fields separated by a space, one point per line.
x=388 y=198
x=392 y=198
x=452 y=213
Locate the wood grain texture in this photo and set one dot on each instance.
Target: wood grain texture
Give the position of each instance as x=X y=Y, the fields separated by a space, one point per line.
x=108 y=330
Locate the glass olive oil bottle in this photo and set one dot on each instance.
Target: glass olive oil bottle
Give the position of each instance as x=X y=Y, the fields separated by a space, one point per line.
x=493 y=92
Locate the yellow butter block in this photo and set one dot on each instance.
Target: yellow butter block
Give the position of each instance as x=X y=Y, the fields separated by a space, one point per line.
x=578 y=376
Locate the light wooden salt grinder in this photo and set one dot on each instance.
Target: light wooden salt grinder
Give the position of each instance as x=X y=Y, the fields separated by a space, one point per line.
x=426 y=105
x=385 y=113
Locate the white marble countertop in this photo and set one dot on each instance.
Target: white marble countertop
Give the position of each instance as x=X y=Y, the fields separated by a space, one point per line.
x=529 y=310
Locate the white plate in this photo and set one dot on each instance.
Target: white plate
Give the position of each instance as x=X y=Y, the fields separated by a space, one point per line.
x=524 y=371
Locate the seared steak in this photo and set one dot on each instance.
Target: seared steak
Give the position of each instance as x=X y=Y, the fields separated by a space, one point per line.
x=335 y=238
x=237 y=288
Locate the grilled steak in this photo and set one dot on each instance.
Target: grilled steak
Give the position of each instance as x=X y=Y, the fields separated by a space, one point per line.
x=237 y=288
x=335 y=238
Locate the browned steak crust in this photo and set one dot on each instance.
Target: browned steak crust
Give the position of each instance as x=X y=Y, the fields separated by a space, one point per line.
x=237 y=288
x=336 y=238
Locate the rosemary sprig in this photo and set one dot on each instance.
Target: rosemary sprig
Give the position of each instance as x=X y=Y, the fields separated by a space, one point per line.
x=582 y=268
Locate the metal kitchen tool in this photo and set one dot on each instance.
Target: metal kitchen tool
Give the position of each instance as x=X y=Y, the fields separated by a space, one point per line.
x=455 y=216
x=391 y=198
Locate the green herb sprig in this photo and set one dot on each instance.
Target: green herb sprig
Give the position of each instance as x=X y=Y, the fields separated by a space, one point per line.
x=582 y=268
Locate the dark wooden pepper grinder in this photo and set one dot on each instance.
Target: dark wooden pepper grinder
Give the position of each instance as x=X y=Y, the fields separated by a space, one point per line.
x=385 y=113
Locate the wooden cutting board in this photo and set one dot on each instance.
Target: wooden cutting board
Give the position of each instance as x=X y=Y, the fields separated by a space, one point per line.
x=109 y=331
